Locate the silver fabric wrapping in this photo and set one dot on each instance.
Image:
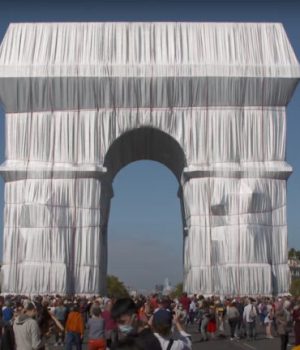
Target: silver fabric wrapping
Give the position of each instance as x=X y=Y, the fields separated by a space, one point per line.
x=208 y=100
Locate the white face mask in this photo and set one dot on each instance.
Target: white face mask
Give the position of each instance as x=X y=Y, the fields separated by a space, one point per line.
x=125 y=328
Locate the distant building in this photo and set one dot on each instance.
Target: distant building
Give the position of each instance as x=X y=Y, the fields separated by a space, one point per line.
x=167 y=287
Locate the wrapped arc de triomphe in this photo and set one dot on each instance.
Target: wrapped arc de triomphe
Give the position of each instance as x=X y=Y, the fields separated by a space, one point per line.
x=208 y=100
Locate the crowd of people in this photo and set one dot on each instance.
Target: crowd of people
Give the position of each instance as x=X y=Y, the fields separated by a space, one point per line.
x=142 y=323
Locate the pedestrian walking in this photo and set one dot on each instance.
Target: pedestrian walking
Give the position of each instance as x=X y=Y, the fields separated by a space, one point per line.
x=162 y=326
x=124 y=312
x=74 y=329
x=282 y=319
x=26 y=329
x=233 y=318
x=249 y=317
x=96 y=335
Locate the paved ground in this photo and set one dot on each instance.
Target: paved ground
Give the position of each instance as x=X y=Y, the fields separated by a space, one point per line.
x=261 y=343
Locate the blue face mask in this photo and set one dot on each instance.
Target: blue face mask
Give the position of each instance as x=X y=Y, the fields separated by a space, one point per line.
x=125 y=328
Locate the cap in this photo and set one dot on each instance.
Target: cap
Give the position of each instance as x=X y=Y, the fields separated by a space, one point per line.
x=162 y=316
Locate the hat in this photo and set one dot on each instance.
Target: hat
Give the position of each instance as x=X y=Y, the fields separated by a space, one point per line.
x=162 y=317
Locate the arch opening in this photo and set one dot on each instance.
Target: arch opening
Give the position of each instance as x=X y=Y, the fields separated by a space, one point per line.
x=125 y=153
x=145 y=143
x=144 y=234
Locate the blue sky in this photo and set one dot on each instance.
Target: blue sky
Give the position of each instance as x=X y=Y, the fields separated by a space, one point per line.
x=145 y=229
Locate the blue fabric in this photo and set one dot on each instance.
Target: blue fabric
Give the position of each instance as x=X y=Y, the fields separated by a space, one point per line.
x=60 y=313
x=7 y=314
x=73 y=338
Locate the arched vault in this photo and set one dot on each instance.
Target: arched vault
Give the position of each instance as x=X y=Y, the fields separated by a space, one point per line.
x=145 y=143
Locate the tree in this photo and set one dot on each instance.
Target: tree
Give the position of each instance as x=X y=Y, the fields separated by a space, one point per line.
x=295 y=287
x=292 y=253
x=178 y=290
x=116 y=288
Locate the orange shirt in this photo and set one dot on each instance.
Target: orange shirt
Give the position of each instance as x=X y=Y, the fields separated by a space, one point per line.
x=75 y=323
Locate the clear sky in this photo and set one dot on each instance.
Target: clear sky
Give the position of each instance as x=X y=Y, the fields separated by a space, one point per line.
x=145 y=229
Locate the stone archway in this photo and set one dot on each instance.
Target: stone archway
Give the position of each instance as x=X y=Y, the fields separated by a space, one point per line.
x=145 y=143
x=216 y=92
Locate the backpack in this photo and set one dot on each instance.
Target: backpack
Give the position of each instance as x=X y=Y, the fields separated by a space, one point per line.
x=171 y=341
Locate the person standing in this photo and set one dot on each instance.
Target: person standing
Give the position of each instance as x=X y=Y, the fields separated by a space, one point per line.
x=162 y=326
x=282 y=319
x=212 y=323
x=233 y=318
x=60 y=312
x=185 y=302
x=296 y=318
x=249 y=317
x=240 y=329
x=7 y=312
x=192 y=311
x=26 y=329
x=95 y=325
x=205 y=320
x=111 y=327
x=7 y=338
x=269 y=319
x=74 y=329
x=124 y=312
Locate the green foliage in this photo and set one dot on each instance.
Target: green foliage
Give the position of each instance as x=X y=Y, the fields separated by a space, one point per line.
x=293 y=253
x=116 y=288
x=178 y=290
x=295 y=287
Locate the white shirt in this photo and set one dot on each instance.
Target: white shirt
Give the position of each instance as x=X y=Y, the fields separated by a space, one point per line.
x=193 y=306
x=246 y=314
x=182 y=343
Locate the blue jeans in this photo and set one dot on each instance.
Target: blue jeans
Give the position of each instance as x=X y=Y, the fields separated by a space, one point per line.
x=71 y=339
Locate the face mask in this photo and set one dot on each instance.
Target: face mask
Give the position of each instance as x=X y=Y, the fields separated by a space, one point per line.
x=125 y=328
